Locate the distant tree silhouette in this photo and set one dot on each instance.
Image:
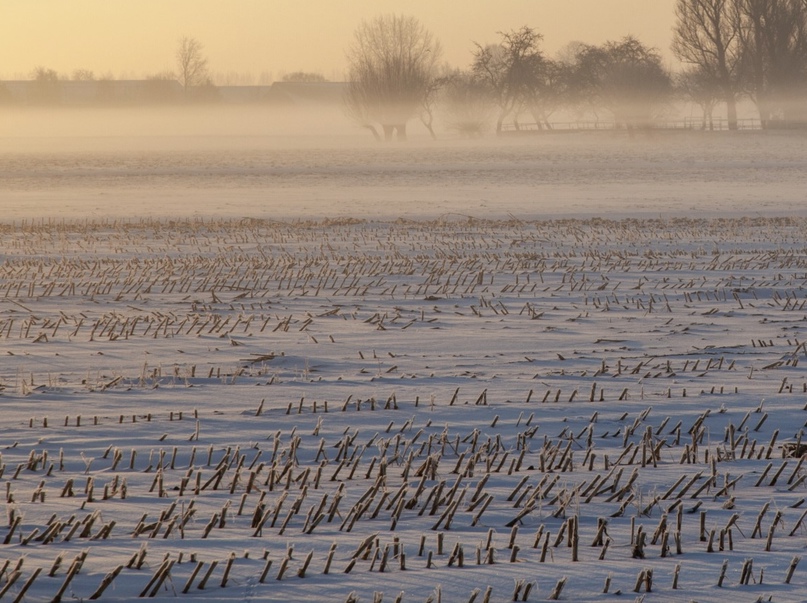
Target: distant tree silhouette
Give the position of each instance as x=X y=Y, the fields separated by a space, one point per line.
x=191 y=65
x=708 y=36
x=512 y=70
x=775 y=58
x=548 y=92
x=625 y=78
x=753 y=47
x=392 y=62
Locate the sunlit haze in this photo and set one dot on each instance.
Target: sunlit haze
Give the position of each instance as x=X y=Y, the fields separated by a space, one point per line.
x=273 y=37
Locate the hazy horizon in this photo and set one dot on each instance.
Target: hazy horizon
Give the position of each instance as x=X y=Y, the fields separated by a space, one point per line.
x=256 y=37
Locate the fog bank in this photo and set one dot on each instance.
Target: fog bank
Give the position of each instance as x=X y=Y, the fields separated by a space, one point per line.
x=254 y=161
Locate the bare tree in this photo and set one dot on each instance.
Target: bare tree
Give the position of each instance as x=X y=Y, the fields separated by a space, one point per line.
x=625 y=78
x=775 y=52
x=427 y=105
x=44 y=74
x=392 y=63
x=707 y=35
x=191 y=64
x=511 y=69
x=548 y=91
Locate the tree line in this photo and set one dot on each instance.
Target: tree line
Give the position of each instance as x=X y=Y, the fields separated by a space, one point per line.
x=731 y=49
x=190 y=75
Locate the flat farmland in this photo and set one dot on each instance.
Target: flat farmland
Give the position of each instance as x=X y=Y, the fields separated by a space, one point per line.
x=451 y=407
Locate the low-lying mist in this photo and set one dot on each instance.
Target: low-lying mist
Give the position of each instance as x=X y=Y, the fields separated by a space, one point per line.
x=174 y=126
x=258 y=161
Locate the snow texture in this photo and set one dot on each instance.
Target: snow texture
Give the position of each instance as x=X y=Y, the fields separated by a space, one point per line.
x=565 y=365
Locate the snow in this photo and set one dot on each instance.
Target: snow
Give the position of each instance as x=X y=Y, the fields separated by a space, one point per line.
x=174 y=305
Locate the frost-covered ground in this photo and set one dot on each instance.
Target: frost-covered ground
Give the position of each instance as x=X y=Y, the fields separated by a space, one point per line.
x=229 y=364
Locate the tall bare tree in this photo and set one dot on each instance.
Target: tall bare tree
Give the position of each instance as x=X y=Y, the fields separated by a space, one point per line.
x=392 y=65
x=511 y=69
x=191 y=64
x=707 y=35
x=775 y=50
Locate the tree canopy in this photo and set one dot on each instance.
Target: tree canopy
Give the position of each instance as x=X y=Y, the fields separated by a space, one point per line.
x=625 y=78
x=512 y=70
x=392 y=62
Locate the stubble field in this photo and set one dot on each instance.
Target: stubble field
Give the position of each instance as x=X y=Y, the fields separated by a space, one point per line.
x=502 y=391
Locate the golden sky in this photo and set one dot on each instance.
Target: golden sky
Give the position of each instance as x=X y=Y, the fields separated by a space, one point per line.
x=133 y=38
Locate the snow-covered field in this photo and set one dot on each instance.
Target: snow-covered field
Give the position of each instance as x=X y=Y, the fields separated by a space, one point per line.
x=260 y=369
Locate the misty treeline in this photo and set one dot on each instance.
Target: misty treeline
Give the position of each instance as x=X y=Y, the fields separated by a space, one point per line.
x=190 y=80
x=731 y=50
x=396 y=75
x=745 y=48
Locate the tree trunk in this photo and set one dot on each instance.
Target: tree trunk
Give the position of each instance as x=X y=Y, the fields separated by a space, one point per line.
x=394 y=131
x=759 y=71
x=431 y=131
x=428 y=123
x=731 y=111
x=503 y=113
